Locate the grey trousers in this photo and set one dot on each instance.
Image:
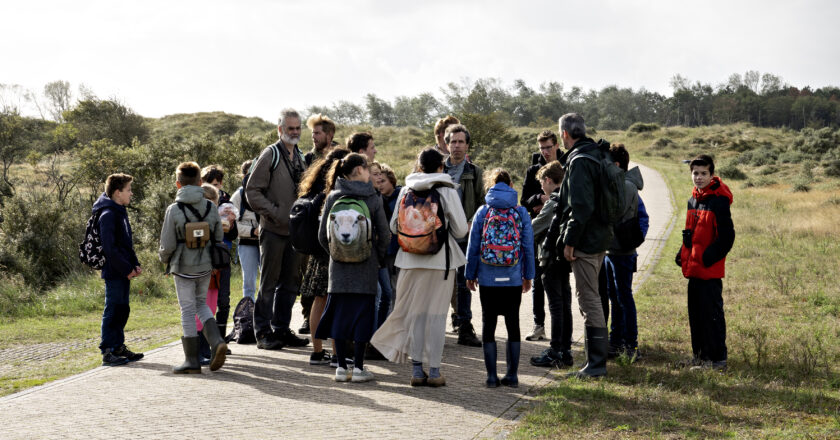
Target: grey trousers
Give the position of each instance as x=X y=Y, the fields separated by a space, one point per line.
x=586 y=269
x=279 y=284
x=192 y=297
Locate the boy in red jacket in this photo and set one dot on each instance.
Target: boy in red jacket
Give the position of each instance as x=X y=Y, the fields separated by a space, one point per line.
x=707 y=238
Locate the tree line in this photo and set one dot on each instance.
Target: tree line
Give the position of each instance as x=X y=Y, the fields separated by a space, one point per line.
x=760 y=99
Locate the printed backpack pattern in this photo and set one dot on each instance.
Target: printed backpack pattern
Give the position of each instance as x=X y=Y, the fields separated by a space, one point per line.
x=90 y=249
x=501 y=237
x=349 y=230
x=420 y=223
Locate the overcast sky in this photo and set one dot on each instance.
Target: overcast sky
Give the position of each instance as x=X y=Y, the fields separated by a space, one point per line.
x=254 y=57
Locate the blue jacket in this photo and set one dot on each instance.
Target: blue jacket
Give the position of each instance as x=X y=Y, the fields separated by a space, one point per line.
x=117 y=244
x=391 y=208
x=500 y=196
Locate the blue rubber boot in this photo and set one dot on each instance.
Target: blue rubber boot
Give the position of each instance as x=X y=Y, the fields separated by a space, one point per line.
x=512 y=356
x=490 y=364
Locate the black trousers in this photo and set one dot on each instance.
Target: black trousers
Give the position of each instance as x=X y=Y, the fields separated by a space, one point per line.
x=500 y=300
x=706 y=319
x=555 y=280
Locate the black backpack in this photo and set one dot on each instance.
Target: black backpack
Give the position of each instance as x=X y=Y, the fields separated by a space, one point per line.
x=243 y=323
x=90 y=249
x=609 y=189
x=304 y=225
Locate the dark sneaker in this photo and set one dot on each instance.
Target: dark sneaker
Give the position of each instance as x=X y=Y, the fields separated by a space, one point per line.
x=546 y=359
x=320 y=358
x=566 y=359
x=128 y=354
x=269 y=342
x=290 y=339
x=304 y=329
x=109 y=359
x=467 y=336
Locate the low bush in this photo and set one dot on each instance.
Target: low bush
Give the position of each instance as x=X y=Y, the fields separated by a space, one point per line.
x=642 y=127
x=731 y=171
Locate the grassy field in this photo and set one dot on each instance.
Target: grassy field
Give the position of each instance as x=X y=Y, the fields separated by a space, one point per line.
x=782 y=307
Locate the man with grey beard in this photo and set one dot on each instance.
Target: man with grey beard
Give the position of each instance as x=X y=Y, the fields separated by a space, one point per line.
x=271 y=191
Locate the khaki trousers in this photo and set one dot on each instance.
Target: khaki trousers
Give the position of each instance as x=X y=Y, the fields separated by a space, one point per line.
x=586 y=269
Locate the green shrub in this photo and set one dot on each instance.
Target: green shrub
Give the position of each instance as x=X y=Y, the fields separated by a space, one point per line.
x=642 y=127
x=832 y=168
x=43 y=236
x=801 y=184
x=792 y=156
x=661 y=143
x=769 y=169
x=731 y=171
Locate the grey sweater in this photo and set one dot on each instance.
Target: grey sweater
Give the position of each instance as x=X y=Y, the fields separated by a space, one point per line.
x=176 y=255
x=357 y=277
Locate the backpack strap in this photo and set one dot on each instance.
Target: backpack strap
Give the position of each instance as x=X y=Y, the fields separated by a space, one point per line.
x=445 y=227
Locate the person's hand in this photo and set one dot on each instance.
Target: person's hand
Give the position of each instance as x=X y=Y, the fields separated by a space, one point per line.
x=231 y=217
x=471 y=284
x=132 y=274
x=544 y=198
x=569 y=253
x=139 y=270
x=537 y=209
x=526 y=285
x=257 y=231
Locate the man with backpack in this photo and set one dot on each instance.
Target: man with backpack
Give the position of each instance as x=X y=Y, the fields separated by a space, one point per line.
x=584 y=230
x=271 y=191
x=120 y=265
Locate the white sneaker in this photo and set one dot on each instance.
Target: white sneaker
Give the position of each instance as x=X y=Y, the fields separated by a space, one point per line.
x=537 y=334
x=341 y=374
x=362 y=375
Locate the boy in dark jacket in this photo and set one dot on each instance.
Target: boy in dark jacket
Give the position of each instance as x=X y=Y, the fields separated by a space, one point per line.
x=707 y=238
x=121 y=265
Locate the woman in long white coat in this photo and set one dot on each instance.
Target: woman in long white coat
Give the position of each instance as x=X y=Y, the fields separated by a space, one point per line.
x=416 y=328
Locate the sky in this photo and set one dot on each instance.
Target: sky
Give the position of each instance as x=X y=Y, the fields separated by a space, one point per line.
x=255 y=57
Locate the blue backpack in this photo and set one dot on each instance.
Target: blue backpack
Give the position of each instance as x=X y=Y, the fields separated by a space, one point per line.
x=501 y=237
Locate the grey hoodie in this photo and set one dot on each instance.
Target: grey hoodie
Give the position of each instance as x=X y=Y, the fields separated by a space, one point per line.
x=633 y=183
x=176 y=255
x=357 y=277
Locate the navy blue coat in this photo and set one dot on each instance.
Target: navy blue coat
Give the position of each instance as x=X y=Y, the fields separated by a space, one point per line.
x=117 y=244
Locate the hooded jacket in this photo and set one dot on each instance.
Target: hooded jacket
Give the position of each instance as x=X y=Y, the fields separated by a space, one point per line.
x=173 y=252
x=359 y=277
x=456 y=221
x=712 y=232
x=500 y=196
x=531 y=188
x=116 y=236
x=633 y=183
x=577 y=218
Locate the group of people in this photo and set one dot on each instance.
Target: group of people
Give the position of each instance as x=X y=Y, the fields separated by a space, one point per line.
x=379 y=265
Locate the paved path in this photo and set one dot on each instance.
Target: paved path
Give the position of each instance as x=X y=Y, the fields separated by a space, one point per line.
x=277 y=394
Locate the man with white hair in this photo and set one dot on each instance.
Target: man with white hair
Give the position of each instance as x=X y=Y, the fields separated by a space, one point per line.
x=271 y=191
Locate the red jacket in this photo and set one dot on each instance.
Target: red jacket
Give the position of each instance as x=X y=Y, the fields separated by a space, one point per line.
x=712 y=232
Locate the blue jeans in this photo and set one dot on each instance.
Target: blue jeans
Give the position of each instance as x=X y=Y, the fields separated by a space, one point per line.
x=384 y=294
x=115 y=314
x=464 y=295
x=249 y=259
x=624 y=329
